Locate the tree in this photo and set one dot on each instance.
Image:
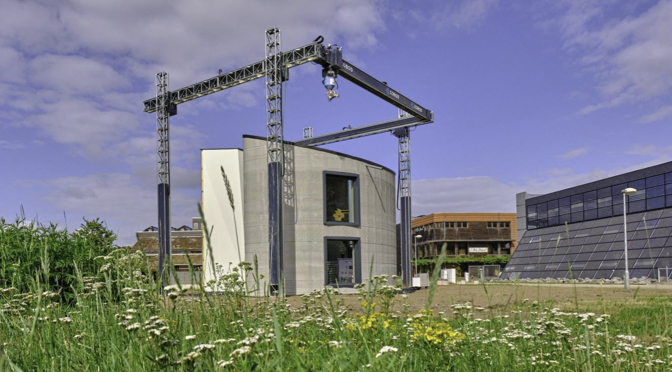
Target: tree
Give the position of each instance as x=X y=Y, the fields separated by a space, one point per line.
x=96 y=232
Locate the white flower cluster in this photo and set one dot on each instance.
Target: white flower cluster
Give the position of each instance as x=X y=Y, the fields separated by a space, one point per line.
x=386 y=349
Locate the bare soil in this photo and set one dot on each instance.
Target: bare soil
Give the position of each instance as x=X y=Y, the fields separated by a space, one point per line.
x=568 y=297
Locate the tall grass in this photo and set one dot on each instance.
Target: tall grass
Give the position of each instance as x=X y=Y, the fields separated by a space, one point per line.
x=120 y=322
x=32 y=253
x=117 y=320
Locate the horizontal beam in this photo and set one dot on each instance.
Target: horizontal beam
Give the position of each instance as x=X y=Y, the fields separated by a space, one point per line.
x=381 y=90
x=292 y=58
x=365 y=130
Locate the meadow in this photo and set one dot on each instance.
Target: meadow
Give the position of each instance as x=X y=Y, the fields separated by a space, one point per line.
x=112 y=317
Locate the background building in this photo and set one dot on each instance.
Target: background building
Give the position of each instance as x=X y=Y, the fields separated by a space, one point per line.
x=469 y=236
x=184 y=240
x=578 y=232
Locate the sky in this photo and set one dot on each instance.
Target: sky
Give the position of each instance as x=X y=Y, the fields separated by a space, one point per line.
x=527 y=96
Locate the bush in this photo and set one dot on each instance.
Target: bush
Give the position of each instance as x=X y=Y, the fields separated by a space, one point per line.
x=33 y=255
x=462 y=263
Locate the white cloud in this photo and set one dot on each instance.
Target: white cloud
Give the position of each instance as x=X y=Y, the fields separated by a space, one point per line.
x=655 y=153
x=11 y=66
x=9 y=145
x=630 y=55
x=488 y=194
x=83 y=124
x=571 y=154
x=661 y=113
x=73 y=50
x=32 y=26
x=462 y=14
x=120 y=200
x=74 y=74
x=464 y=194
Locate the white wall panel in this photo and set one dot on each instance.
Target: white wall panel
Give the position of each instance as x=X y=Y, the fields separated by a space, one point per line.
x=228 y=248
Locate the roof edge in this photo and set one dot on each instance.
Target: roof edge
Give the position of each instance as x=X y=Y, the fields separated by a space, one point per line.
x=327 y=151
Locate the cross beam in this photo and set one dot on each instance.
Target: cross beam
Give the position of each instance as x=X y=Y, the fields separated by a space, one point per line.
x=363 y=131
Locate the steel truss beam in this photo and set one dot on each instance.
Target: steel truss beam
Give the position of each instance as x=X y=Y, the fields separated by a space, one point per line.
x=308 y=53
x=257 y=70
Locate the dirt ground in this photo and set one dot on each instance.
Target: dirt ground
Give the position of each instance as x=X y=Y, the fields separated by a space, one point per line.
x=492 y=296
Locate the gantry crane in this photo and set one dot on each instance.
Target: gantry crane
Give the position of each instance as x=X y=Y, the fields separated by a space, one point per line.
x=275 y=69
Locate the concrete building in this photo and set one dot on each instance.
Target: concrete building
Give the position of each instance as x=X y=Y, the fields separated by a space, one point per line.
x=338 y=215
x=579 y=232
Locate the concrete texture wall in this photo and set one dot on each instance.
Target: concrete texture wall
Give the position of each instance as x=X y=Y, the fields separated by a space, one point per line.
x=227 y=246
x=304 y=228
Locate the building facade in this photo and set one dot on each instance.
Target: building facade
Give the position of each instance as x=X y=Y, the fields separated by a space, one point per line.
x=338 y=215
x=466 y=234
x=579 y=232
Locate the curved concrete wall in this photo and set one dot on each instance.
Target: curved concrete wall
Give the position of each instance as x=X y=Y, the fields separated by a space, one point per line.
x=304 y=228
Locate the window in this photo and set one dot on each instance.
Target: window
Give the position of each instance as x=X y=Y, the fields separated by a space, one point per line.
x=461 y=224
x=185 y=276
x=342 y=261
x=505 y=224
x=553 y=209
x=341 y=199
x=653 y=193
x=577 y=203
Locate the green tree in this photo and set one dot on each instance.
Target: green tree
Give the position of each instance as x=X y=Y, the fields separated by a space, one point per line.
x=96 y=232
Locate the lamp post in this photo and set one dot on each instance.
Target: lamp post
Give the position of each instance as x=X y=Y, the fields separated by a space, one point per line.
x=416 y=252
x=627 y=191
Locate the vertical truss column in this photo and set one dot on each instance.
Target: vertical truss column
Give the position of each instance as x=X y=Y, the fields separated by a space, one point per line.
x=404 y=195
x=274 y=66
x=163 y=114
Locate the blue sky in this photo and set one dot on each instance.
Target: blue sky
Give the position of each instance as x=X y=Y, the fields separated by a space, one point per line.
x=527 y=96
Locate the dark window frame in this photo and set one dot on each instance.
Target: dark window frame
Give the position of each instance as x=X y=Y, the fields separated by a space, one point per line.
x=357 y=260
x=357 y=222
x=602 y=203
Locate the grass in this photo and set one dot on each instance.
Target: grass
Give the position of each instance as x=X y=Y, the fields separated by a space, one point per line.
x=120 y=322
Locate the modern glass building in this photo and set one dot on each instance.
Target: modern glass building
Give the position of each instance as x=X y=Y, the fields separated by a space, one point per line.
x=578 y=232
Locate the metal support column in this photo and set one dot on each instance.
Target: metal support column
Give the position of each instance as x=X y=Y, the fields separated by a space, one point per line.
x=404 y=201
x=274 y=67
x=164 y=110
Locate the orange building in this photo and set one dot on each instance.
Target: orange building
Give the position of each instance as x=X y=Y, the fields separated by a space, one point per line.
x=466 y=234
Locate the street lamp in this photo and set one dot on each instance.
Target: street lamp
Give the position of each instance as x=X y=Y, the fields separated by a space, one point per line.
x=627 y=191
x=416 y=252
